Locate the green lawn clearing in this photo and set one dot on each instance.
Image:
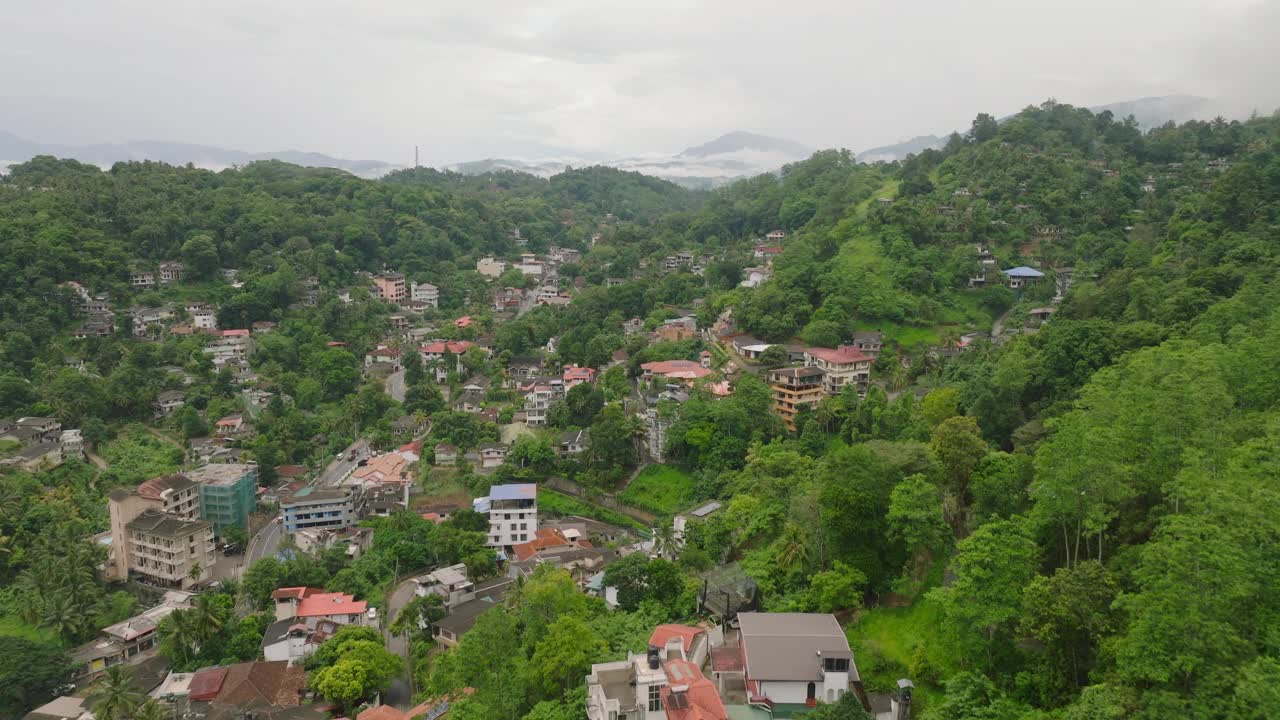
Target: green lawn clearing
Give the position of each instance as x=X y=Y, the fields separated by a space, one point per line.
x=557 y=504
x=660 y=489
x=13 y=626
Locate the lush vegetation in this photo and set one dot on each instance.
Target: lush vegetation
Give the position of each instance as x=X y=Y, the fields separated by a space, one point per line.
x=1100 y=494
x=660 y=489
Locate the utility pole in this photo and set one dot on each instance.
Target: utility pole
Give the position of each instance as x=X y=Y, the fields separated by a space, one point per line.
x=415 y=157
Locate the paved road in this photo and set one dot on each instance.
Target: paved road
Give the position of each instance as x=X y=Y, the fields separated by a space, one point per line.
x=265 y=544
x=338 y=470
x=395 y=385
x=399 y=693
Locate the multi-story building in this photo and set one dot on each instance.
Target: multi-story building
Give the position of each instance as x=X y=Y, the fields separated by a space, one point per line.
x=512 y=511
x=204 y=318
x=390 y=287
x=425 y=292
x=641 y=687
x=450 y=584
x=174 y=495
x=72 y=443
x=313 y=508
x=169 y=550
x=171 y=272
x=228 y=493
x=574 y=376
x=142 y=279
x=537 y=401
x=794 y=388
x=846 y=365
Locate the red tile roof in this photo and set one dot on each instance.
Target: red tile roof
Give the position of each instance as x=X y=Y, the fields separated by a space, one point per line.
x=322 y=604
x=456 y=347
x=701 y=700
x=542 y=539
x=235 y=333
x=664 y=633
x=294 y=592
x=682 y=369
x=844 y=355
x=464 y=321
x=207 y=683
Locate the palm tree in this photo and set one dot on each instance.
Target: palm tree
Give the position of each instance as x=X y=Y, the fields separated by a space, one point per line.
x=207 y=618
x=63 y=616
x=792 y=549
x=665 y=542
x=151 y=710
x=196 y=571
x=116 y=696
x=177 y=635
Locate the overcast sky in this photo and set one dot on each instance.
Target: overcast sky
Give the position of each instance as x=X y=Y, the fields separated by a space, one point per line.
x=488 y=78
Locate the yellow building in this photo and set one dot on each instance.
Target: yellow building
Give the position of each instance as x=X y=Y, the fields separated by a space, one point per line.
x=794 y=388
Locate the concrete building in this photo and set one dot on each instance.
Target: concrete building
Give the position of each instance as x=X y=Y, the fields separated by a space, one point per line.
x=313 y=508
x=1021 y=276
x=450 y=584
x=171 y=272
x=390 y=287
x=175 y=495
x=844 y=366
x=72 y=443
x=793 y=389
x=635 y=688
x=168 y=550
x=512 y=511
x=228 y=493
x=425 y=293
x=493 y=454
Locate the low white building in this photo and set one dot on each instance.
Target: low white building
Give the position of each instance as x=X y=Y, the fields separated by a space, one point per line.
x=795 y=657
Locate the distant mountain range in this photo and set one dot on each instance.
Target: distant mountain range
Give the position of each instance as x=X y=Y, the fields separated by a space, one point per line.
x=1149 y=112
x=729 y=157
x=14 y=149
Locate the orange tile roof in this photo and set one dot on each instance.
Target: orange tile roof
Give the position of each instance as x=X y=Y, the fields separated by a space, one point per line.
x=664 y=633
x=388 y=468
x=542 y=539
x=702 y=701
x=322 y=604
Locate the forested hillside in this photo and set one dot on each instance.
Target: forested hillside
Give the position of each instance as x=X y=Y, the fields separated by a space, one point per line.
x=1070 y=519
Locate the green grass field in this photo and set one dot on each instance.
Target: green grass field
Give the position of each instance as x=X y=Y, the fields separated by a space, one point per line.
x=659 y=489
x=555 y=503
x=11 y=626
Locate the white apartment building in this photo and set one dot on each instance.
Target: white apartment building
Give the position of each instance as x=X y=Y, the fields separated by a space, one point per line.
x=425 y=292
x=512 y=511
x=846 y=365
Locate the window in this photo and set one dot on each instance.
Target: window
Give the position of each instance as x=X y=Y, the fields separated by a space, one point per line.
x=835 y=664
x=655 y=698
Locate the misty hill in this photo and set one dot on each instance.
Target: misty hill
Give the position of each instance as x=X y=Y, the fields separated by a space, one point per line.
x=731 y=156
x=1155 y=111
x=1148 y=111
x=14 y=149
x=738 y=141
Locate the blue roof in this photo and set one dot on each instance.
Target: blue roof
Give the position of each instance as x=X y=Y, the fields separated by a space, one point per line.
x=525 y=491
x=1023 y=271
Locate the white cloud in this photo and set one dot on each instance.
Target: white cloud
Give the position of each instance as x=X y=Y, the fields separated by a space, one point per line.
x=466 y=80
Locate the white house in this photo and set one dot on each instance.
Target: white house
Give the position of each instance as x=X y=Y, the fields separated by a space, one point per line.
x=795 y=657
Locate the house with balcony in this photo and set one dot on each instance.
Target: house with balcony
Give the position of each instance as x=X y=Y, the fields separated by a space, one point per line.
x=842 y=367
x=793 y=389
x=493 y=454
x=168 y=550
x=425 y=293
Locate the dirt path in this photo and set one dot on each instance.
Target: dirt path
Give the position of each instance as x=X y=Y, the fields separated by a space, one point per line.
x=96 y=459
